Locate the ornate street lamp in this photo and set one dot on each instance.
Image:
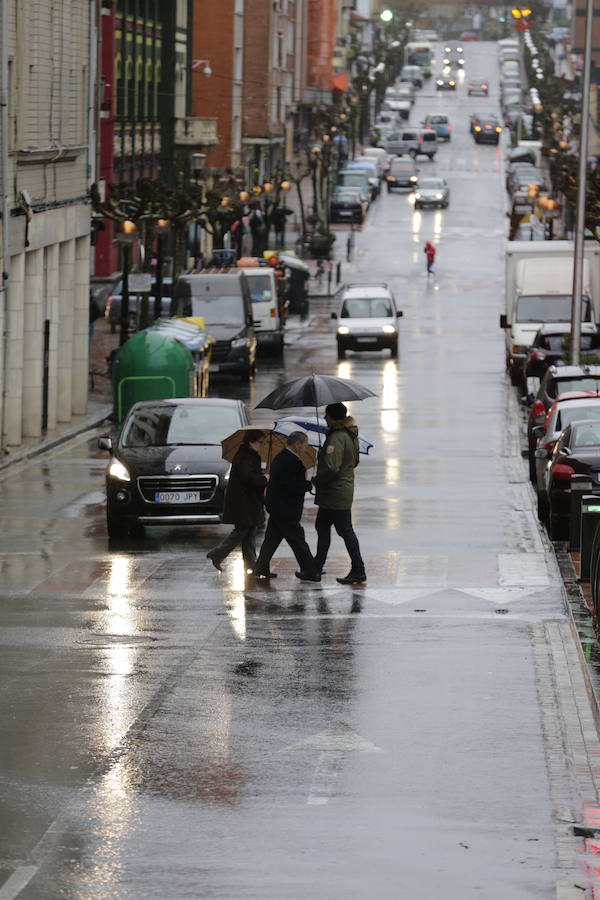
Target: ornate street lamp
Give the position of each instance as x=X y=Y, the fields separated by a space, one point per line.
x=125 y=235
x=163 y=227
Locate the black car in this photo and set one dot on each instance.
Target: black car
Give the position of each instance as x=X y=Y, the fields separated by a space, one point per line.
x=487 y=130
x=348 y=205
x=445 y=83
x=478 y=86
x=551 y=347
x=557 y=380
x=166 y=466
x=577 y=452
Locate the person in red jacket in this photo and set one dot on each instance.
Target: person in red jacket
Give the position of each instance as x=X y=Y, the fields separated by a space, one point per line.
x=429 y=251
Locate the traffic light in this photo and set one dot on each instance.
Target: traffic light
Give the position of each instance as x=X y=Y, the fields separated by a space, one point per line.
x=520 y=12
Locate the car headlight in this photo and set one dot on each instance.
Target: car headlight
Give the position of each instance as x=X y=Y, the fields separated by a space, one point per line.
x=440 y=82
x=343 y=329
x=417 y=195
x=117 y=470
x=389 y=329
x=238 y=343
x=461 y=62
x=414 y=179
x=439 y=196
x=446 y=62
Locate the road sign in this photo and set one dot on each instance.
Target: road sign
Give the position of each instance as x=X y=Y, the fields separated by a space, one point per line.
x=140 y=283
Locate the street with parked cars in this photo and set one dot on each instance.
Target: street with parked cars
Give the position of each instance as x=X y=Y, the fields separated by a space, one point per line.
x=259 y=729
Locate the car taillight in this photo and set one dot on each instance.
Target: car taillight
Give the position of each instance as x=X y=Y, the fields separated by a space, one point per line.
x=449 y=127
x=470 y=85
x=539 y=411
x=562 y=472
x=484 y=86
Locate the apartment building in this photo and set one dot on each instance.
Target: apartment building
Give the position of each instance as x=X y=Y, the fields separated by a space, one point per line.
x=45 y=311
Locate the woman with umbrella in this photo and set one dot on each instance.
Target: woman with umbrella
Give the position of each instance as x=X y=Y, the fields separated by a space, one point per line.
x=244 y=502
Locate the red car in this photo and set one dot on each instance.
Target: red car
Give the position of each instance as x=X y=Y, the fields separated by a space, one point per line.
x=469 y=36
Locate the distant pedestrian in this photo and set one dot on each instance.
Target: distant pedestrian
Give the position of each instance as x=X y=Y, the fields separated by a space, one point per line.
x=429 y=251
x=284 y=501
x=278 y=217
x=244 y=502
x=334 y=483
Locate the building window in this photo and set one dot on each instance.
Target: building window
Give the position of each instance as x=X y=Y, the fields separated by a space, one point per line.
x=280 y=50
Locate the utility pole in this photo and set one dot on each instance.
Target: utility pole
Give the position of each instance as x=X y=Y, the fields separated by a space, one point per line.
x=581 y=192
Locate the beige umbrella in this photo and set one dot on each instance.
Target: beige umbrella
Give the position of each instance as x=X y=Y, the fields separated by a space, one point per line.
x=270 y=447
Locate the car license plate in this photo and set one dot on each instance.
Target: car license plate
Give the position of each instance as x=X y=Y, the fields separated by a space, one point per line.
x=366 y=340
x=345 y=212
x=177 y=496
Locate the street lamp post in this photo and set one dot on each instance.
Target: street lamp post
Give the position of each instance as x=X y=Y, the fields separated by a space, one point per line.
x=197 y=161
x=162 y=229
x=126 y=235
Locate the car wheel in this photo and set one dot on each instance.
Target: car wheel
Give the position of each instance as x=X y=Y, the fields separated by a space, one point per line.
x=116 y=528
x=412 y=153
x=558 y=529
x=394 y=349
x=532 y=469
x=279 y=346
x=341 y=353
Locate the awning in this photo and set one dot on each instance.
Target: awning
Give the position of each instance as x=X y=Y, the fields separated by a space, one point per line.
x=340 y=82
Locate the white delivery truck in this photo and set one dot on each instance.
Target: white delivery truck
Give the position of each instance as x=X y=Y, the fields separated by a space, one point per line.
x=538 y=291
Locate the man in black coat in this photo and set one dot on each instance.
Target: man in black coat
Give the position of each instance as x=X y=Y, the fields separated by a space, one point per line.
x=244 y=500
x=285 y=500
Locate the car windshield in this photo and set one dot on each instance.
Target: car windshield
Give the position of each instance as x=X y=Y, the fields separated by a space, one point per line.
x=574 y=411
x=366 y=308
x=432 y=184
x=219 y=310
x=565 y=385
x=438 y=120
x=397 y=168
x=544 y=308
x=588 y=434
x=260 y=288
x=188 y=424
x=560 y=343
x=352 y=179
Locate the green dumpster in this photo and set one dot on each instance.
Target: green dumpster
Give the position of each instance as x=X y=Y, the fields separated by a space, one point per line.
x=151 y=366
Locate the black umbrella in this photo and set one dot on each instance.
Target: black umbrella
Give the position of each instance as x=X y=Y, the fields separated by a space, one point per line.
x=314 y=390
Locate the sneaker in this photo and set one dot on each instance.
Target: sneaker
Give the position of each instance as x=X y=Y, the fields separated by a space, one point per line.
x=308 y=576
x=352 y=578
x=216 y=563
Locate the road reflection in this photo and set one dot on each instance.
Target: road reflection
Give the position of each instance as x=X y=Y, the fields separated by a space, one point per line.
x=389 y=400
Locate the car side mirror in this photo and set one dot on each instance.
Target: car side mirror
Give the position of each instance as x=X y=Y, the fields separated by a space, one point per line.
x=399 y=313
x=334 y=315
x=541 y=453
x=564 y=451
x=105 y=443
x=503 y=321
x=538 y=431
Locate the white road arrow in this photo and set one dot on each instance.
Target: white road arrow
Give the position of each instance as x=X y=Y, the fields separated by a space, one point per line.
x=333 y=743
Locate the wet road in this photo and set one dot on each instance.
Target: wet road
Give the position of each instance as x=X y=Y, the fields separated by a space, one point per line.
x=168 y=732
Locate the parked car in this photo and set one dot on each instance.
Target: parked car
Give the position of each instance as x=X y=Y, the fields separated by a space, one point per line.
x=379 y=157
x=551 y=347
x=440 y=124
x=386 y=121
x=411 y=141
x=348 y=205
x=367 y=319
x=398 y=103
x=354 y=178
x=566 y=408
x=166 y=466
x=412 y=73
x=517 y=171
x=487 y=130
x=556 y=381
x=577 y=452
x=445 y=82
x=403 y=173
x=432 y=192
x=370 y=167
x=223 y=300
x=478 y=86
x=112 y=310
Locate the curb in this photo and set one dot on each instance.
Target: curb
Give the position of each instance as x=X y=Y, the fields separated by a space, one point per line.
x=577 y=608
x=44 y=446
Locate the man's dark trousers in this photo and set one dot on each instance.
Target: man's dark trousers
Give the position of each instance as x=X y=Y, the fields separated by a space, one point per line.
x=341 y=520
x=279 y=530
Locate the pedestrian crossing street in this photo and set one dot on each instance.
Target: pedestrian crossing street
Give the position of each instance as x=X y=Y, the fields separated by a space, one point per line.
x=475 y=583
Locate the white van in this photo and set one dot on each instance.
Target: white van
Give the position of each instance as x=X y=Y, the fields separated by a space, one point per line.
x=268 y=326
x=380 y=157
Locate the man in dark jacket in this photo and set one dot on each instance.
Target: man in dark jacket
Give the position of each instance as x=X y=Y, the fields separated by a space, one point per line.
x=285 y=500
x=334 y=483
x=244 y=499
